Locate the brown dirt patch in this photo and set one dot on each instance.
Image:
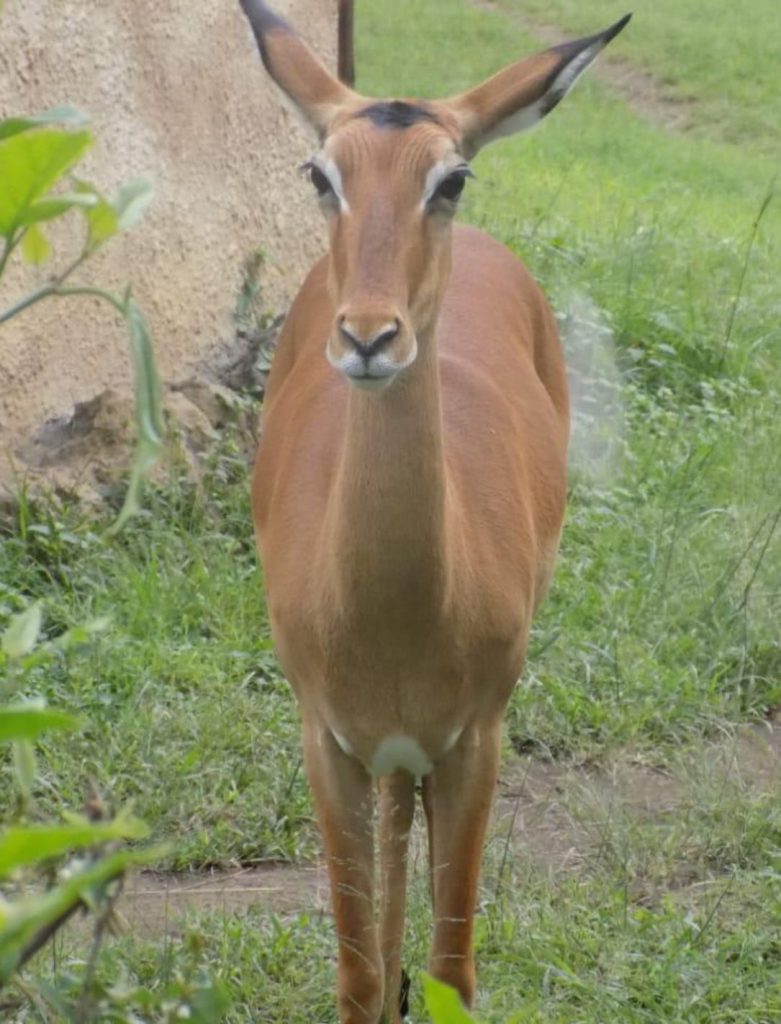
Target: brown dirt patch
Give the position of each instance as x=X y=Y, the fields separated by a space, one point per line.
x=156 y=901
x=563 y=817
x=87 y=454
x=646 y=94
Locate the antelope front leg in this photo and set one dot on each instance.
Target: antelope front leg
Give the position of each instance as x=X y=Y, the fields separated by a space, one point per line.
x=397 y=809
x=459 y=795
x=343 y=796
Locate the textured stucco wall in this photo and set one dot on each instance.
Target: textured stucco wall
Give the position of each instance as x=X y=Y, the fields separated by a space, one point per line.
x=174 y=90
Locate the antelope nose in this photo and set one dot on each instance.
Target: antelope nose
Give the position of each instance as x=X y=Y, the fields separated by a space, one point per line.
x=367 y=342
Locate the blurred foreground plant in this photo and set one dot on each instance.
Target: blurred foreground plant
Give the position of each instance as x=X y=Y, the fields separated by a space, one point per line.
x=82 y=858
x=443 y=1003
x=51 y=870
x=36 y=153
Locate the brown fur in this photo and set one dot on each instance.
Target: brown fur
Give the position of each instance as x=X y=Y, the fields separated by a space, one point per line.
x=407 y=536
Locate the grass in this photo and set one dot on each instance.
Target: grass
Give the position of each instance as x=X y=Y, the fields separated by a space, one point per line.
x=671 y=918
x=662 y=627
x=662 y=624
x=186 y=714
x=650 y=634
x=711 y=51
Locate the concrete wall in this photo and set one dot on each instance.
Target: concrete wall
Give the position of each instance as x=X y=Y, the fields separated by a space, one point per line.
x=174 y=90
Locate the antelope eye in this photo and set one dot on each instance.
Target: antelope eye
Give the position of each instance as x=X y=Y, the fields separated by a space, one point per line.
x=319 y=180
x=451 y=187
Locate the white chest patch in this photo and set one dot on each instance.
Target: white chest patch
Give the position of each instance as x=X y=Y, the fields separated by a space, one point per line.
x=397 y=752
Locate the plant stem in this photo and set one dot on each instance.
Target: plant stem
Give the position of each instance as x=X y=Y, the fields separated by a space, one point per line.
x=744 y=270
x=82 y=1015
x=41 y=937
x=8 y=247
x=98 y=293
x=44 y=291
x=758 y=565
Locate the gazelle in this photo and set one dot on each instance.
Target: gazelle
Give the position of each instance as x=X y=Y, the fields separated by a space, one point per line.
x=408 y=493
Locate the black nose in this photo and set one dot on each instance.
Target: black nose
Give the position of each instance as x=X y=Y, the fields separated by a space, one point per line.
x=368 y=347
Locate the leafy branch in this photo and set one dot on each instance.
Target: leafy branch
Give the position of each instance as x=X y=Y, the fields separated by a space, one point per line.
x=36 y=153
x=98 y=860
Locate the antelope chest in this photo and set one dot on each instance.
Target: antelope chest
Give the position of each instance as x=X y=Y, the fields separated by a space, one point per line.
x=400 y=697
x=410 y=718
x=405 y=722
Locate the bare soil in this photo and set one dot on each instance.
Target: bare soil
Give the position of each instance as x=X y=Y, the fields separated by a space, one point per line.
x=155 y=902
x=222 y=153
x=560 y=816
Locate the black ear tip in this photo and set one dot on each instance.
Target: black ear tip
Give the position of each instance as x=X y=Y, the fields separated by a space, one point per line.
x=613 y=31
x=263 y=18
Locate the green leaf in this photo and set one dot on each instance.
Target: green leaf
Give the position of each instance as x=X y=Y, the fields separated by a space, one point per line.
x=103 y=223
x=132 y=199
x=101 y=217
x=48 y=209
x=28 y=721
x=23 y=846
x=20 y=636
x=35 y=246
x=30 y=163
x=149 y=411
x=444 y=1003
x=22 y=920
x=105 y=219
x=55 y=115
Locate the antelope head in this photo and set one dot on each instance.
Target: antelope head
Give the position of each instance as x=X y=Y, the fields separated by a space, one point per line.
x=388 y=176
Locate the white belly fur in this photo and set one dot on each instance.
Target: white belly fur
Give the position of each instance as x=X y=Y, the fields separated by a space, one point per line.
x=400 y=752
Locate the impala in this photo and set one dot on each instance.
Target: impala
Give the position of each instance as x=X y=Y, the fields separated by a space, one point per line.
x=408 y=493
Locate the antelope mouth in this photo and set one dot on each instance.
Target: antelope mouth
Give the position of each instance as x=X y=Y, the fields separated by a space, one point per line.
x=374 y=365
x=374 y=373
x=369 y=381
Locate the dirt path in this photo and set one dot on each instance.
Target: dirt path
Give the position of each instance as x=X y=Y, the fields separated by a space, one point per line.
x=156 y=902
x=554 y=816
x=645 y=93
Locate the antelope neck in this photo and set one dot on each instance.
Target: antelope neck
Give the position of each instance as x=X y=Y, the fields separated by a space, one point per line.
x=388 y=507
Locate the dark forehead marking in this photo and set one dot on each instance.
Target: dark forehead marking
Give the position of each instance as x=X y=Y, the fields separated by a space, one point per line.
x=396 y=114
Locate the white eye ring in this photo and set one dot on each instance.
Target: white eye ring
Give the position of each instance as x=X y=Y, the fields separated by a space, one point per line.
x=441 y=173
x=324 y=175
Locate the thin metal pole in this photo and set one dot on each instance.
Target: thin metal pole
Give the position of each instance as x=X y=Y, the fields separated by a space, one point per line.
x=346 y=50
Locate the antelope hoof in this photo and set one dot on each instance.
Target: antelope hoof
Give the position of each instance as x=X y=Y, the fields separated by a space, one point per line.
x=404 y=994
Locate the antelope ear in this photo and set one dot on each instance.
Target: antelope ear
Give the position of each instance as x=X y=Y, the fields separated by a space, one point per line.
x=295 y=68
x=517 y=98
